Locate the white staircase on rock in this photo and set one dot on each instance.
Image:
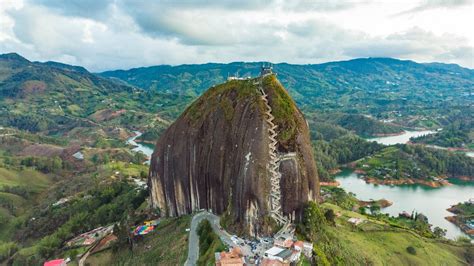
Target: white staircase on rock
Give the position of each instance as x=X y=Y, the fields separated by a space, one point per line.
x=274 y=164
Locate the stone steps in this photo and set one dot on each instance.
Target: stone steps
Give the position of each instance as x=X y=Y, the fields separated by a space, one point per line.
x=275 y=176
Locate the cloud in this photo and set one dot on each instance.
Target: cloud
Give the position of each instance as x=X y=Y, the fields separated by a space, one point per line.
x=435 y=4
x=125 y=33
x=79 y=8
x=415 y=43
x=219 y=22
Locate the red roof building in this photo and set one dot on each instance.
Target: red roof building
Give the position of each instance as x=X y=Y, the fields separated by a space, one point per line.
x=58 y=262
x=232 y=258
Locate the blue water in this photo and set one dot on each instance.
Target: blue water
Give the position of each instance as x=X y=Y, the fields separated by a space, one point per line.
x=432 y=202
x=145 y=148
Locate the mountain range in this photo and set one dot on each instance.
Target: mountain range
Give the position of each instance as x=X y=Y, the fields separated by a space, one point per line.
x=367 y=85
x=406 y=93
x=66 y=167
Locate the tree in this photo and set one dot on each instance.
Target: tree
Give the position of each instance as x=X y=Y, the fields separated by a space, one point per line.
x=57 y=163
x=319 y=256
x=439 y=232
x=95 y=158
x=374 y=209
x=313 y=220
x=105 y=158
x=330 y=217
x=463 y=240
x=121 y=230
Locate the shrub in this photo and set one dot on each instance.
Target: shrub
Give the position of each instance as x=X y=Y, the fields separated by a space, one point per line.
x=319 y=256
x=411 y=250
x=209 y=243
x=463 y=239
x=313 y=220
x=330 y=217
x=7 y=250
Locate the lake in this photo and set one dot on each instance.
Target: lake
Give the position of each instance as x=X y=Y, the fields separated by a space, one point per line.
x=145 y=148
x=405 y=137
x=401 y=139
x=432 y=202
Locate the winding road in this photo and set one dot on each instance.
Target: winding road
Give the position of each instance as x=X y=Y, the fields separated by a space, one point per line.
x=193 y=243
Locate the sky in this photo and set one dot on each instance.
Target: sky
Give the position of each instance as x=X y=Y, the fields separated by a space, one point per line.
x=121 y=34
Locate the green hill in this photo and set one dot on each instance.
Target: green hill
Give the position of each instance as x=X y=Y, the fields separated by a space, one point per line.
x=381 y=87
x=361 y=125
x=49 y=110
x=55 y=98
x=375 y=242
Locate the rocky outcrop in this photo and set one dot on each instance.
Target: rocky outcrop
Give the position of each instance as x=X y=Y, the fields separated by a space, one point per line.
x=216 y=156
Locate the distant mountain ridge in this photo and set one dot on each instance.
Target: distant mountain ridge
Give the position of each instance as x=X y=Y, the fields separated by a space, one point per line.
x=52 y=96
x=366 y=85
x=413 y=95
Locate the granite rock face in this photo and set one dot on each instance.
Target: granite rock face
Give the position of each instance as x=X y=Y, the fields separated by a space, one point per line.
x=215 y=156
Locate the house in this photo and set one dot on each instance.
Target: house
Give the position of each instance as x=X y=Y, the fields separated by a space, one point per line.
x=308 y=249
x=284 y=242
x=266 y=70
x=279 y=254
x=236 y=78
x=88 y=241
x=285 y=255
x=58 y=262
x=78 y=155
x=295 y=256
x=270 y=262
x=405 y=215
x=421 y=217
x=90 y=237
x=272 y=252
x=298 y=245
x=61 y=201
x=232 y=258
x=152 y=222
x=470 y=224
x=355 y=221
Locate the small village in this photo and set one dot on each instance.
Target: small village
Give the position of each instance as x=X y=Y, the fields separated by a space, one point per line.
x=99 y=239
x=280 y=251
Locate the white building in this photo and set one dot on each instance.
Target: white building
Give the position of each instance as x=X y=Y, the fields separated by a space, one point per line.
x=355 y=221
x=281 y=254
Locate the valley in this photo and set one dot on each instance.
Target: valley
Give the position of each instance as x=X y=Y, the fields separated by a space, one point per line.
x=75 y=150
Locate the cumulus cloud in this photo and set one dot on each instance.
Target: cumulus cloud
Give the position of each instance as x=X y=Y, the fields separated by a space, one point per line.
x=110 y=34
x=434 y=4
x=79 y=8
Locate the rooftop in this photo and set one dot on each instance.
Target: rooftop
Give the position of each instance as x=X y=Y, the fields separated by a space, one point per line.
x=233 y=257
x=274 y=251
x=284 y=254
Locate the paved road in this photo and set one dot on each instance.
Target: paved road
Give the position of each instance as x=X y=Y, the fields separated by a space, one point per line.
x=193 y=241
x=84 y=257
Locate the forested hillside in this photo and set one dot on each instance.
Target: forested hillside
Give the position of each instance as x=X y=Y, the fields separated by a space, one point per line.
x=55 y=98
x=413 y=94
x=65 y=166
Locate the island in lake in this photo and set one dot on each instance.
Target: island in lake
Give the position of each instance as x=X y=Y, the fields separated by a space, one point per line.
x=404 y=164
x=464 y=216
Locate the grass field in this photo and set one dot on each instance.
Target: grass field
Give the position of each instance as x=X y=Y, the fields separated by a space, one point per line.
x=167 y=245
x=384 y=245
x=29 y=178
x=13 y=206
x=125 y=169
